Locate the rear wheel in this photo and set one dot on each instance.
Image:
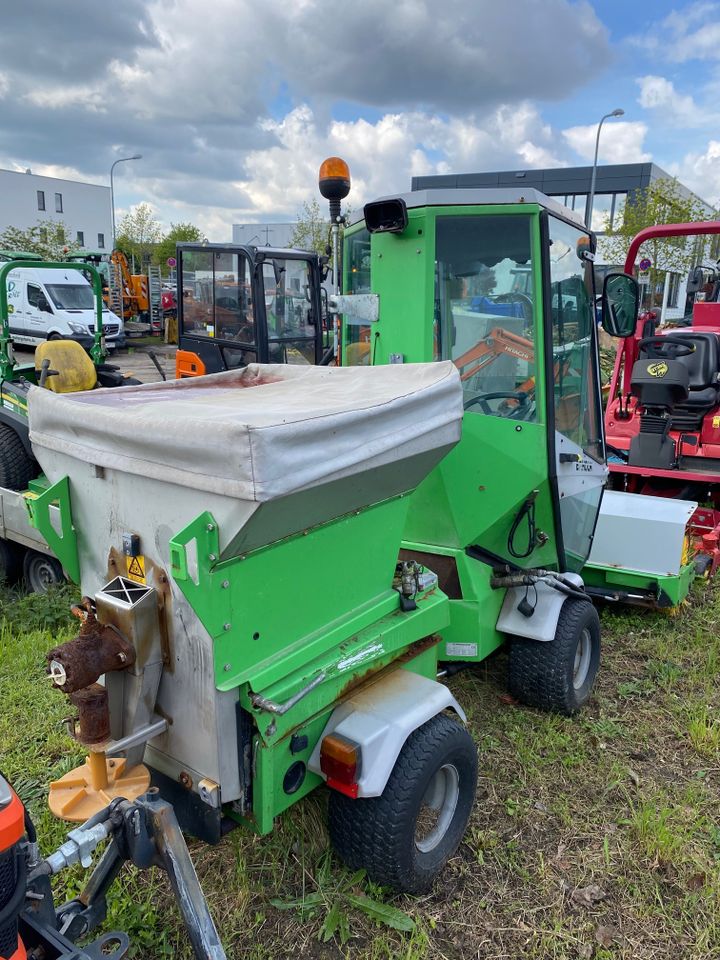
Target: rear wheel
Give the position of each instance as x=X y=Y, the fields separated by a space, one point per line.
x=41 y=572
x=558 y=675
x=17 y=468
x=404 y=837
x=11 y=562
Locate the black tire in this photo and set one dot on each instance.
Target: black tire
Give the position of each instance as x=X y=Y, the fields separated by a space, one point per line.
x=543 y=674
x=41 y=572
x=17 y=468
x=11 y=562
x=379 y=833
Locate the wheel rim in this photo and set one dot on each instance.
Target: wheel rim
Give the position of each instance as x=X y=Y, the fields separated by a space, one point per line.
x=42 y=575
x=437 y=808
x=583 y=655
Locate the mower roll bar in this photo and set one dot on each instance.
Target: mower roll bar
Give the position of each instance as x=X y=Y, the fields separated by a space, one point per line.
x=7 y=360
x=630 y=349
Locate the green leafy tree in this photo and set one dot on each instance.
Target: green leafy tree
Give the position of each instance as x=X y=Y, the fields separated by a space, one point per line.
x=48 y=238
x=139 y=233
x=311 y=229
x=660 y=202
x=178 y=233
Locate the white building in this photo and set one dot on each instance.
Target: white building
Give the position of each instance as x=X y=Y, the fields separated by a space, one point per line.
x=84 y=208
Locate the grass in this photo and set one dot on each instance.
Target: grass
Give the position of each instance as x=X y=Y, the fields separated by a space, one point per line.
x=593 y=837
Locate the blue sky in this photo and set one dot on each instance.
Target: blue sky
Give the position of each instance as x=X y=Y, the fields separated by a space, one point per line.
x=234 y=106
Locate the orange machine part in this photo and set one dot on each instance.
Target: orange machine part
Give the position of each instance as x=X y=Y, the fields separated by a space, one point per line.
x=188 y=364
x=12 y=828
x=12 y=823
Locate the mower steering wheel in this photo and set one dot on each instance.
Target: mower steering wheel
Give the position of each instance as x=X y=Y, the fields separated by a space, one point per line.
x=678 y=347
x=483 y=398
x=521 y=298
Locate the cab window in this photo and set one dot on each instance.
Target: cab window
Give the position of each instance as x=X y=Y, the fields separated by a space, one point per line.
x=217 y=297
x=33 y=295
x=357 y=280
x=289 y=310
x=485 y=312
x=576 y=396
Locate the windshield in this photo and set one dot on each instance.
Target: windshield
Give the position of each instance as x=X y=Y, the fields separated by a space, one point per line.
x=71 y=296
x=484 y=319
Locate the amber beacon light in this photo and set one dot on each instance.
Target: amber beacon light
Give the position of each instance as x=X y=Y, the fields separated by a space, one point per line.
x=334 y=183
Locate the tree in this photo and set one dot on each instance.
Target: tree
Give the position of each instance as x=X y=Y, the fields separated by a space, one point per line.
x=178 y=233
x=660 y=202
x=48 y=239
x=311 y=229
x=139 y=233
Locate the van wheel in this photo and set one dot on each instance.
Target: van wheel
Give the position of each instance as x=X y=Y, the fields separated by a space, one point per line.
x=17 y=469
x=558 y=675
x=404 y=837
x=41 y=572
x=10 y=562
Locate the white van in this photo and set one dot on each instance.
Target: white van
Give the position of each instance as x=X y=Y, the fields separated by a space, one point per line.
x=46 y=304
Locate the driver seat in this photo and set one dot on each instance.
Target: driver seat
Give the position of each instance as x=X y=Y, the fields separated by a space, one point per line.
x=702 y=367
x=74 y=371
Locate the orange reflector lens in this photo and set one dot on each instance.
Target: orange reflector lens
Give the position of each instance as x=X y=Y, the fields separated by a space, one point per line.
x=334 y=167
x=340 y=761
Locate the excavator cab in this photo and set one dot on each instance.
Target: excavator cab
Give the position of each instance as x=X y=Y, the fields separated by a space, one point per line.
x=241 y=304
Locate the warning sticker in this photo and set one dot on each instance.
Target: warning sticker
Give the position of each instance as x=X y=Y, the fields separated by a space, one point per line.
x=136 y=569
x=716 y=422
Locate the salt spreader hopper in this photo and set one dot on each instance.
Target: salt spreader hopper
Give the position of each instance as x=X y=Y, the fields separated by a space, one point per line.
x=237 y=537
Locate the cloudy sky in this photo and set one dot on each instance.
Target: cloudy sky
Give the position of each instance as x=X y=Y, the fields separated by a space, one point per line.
x=233 y=104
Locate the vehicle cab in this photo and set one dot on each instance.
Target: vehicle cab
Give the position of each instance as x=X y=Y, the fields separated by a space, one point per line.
x=242 y=304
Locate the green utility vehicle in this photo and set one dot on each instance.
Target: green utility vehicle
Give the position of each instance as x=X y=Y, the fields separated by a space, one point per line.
x=276 y=559
x=500 y=282
x=60 y=366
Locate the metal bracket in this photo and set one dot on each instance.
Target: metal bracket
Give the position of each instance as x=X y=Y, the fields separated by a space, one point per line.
x=357 y=308
x=63 y=545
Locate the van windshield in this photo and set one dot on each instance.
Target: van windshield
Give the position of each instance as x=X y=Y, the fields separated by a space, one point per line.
x=71 y=296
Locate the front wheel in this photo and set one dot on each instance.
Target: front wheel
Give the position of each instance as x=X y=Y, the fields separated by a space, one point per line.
x=41 y=572
x=404 y=837
x=558 y=675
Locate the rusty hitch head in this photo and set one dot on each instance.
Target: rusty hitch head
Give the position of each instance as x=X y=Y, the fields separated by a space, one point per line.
x=96 y=650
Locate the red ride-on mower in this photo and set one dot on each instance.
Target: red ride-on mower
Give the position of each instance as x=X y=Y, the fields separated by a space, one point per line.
x=662 y=420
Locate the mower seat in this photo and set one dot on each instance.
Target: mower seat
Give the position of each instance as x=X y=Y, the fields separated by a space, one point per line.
x=702 y=367
x=74 y=370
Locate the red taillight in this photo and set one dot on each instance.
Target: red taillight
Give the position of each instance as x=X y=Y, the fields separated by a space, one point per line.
x=340 y=761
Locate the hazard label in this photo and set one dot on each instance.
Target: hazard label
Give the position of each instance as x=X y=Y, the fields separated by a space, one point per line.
x=136 y=569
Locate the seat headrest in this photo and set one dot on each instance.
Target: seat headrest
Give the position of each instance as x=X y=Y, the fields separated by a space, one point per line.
x=75 y=370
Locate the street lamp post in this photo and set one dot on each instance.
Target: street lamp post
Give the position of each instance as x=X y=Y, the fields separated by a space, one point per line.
x=136 y=156
x=615 y=113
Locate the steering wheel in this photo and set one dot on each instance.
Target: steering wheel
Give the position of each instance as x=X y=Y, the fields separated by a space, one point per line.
x=677 y=347
x=521 y=298
x=484 y=398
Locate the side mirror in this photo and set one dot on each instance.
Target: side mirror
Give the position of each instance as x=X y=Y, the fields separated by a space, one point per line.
x=620 y=303
x=695 y=280
x=43 y=305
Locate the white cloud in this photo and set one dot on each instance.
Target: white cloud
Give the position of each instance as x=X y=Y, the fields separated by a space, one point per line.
x=620 y=141
x=659 y=93
x=700 y=171
x=384 y=155
x=692 y=33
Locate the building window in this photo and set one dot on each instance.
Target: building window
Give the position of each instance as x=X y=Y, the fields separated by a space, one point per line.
x=101 y=241
x=58 y=203
x=41 y=199
x=80 y=238
x=673 y=290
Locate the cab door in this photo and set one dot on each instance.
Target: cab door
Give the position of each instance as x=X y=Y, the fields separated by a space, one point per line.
x=578 y=472
x=38 y=312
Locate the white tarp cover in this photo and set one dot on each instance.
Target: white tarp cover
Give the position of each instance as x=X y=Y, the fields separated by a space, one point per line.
x=257 y=433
